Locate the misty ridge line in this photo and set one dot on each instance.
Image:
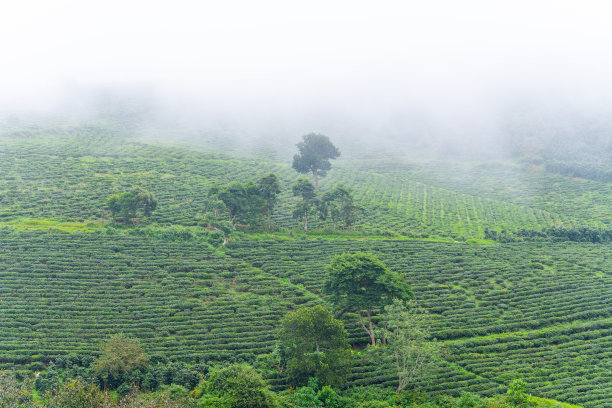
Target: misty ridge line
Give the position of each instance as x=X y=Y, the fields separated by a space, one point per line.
x=528 y=128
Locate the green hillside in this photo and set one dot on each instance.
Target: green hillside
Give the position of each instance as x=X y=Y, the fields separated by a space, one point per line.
x=539 y=309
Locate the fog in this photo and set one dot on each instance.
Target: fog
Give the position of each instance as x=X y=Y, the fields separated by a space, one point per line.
x=384 y=71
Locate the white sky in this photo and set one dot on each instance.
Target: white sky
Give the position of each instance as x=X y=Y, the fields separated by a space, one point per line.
x=448 y=53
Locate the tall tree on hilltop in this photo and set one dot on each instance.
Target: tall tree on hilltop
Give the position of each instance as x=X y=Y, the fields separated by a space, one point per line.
x=315 y=152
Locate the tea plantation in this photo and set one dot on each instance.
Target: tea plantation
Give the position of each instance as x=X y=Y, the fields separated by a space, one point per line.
x=539 y=310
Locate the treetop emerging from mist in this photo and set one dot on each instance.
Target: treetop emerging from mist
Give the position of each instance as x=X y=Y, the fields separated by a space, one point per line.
x=315 y=152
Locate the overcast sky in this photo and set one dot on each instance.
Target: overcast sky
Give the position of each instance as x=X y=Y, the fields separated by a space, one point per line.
x=444 y=55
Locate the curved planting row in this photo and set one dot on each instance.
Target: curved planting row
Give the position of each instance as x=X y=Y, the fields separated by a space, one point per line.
x=63 y=293
x=475 y=290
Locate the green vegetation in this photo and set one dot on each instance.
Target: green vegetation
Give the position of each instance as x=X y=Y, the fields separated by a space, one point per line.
x=315 y=345
x=315 y=151
x=405 y=337
x=305 y=208
x=237 y=385
x=509 y=262
x=124 y=206
x=119 y=357
x=360 y=283
x=248 y=203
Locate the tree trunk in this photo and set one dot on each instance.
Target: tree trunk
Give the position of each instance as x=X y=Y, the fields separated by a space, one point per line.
x=369 y=330
x=316 y=178
x=384 y=335
x=305 y=224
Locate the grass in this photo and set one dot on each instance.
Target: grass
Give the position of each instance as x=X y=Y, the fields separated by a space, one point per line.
x=34 y=224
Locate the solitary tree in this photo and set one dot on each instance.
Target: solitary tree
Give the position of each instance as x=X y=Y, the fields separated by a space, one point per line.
x=360 y=283
x=125 y=206
x=315 y=152
x=120 y=355
x=316 y=345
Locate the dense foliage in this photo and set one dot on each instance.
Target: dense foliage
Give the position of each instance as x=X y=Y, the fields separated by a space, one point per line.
x=249 y=203
x=119 y=357
x=315 y=152
x=315 y=345
x=360 y=283
x=125 y=206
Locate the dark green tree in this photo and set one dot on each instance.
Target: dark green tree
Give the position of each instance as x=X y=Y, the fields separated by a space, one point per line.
x=316 y=345
x=360 y=283
x=303 y=188
x=269 y=189
x=315 y=151
x=238 y=199
x=338 y=204
x=125 y=206
x=247 y=203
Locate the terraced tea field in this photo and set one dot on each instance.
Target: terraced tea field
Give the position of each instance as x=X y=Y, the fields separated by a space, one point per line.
x=552 y=301
x=67 y=174
x=63 y=293
x=532 y=310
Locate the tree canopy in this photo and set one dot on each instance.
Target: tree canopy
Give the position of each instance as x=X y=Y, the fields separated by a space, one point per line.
x=316 y=345
x=338 y=204
x=236 y=386
x=125 y=206
x=360 y=283
x=119 y=356
x=248 y=203
x=315 y=152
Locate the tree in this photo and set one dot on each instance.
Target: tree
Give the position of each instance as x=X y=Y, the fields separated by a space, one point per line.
x=338 y=203
x=247 y=203
x=269 y=189
x=406 y=330
x=360 y=283
x=120 y=356
x=315 y=151
x=316 y=345
x=124 y=206
x=76 y=394
x=13 y=393
x=145 y=200
x=234 y=386
x=237 y=199
x=304 y=188
x=517 y=395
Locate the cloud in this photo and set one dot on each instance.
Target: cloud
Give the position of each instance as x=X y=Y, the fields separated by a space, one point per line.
x=452 y=59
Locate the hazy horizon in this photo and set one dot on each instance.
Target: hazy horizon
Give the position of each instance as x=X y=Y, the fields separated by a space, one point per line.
x=440 y=69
